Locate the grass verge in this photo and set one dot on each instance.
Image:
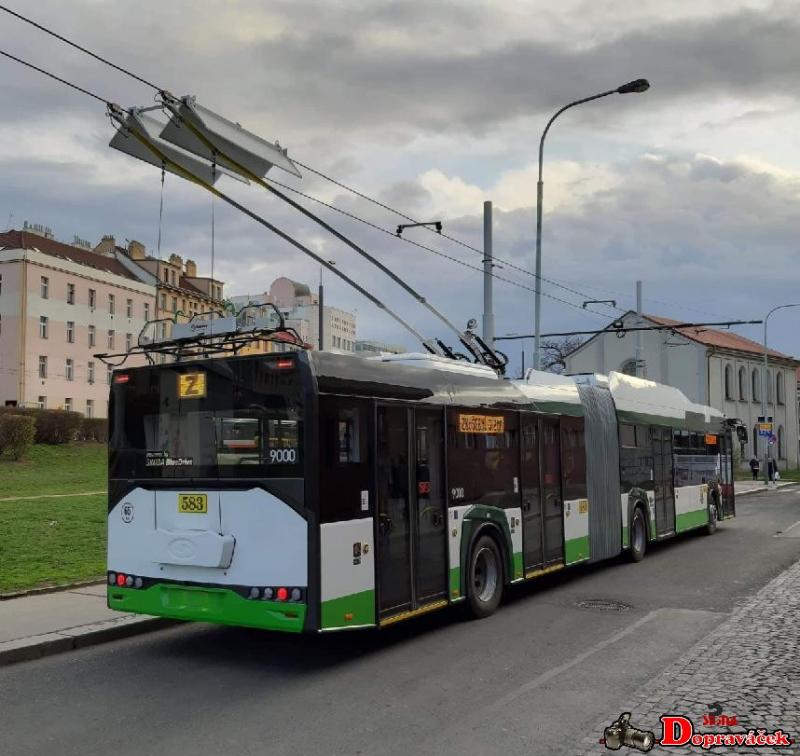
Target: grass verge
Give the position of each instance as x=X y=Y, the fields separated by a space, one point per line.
x=51 y=541
x=67 y=468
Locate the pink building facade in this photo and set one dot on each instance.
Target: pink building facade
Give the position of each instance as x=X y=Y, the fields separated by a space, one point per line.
x=59 y=306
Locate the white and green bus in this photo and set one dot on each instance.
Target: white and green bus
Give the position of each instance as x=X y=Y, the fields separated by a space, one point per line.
x=311 y=491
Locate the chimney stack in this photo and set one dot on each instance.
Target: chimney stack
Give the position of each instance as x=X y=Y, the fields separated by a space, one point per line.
x=106 y=246
x=136 y=250
x=191 y=269
x=176 y=260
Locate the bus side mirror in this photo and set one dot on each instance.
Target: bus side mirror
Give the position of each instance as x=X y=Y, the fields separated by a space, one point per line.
x=741 y=433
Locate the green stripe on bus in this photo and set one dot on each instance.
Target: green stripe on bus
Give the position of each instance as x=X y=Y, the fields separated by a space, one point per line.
x=518 y=573
x=576 y=550
x=455 y=582
x=689 y=520
x=625 y=537
x=218 y=605
x=352 y=610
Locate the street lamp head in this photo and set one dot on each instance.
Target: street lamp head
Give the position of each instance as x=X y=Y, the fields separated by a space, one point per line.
x=638 y=85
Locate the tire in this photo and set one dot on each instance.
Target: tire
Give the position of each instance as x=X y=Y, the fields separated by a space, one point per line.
x=638 y=535
x=485 y=578
x=713 y=516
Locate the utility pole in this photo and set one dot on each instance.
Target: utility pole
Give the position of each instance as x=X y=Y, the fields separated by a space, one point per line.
x=488 y=307
x=321 y=309
x=640 y=368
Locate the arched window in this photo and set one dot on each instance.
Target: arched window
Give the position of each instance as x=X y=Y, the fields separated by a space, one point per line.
x=755 y=440
x=756 y=386
x=742 y=384
x=781 y=445
x=628 y=367
x=779 y=387
x=728 y=382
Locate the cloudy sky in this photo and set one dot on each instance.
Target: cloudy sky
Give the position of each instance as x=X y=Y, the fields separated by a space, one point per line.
x=693 y=187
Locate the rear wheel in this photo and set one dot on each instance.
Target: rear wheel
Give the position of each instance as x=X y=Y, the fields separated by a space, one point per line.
x=638 y=535
x=485 y=578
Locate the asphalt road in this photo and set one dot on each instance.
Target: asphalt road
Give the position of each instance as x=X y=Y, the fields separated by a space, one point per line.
x=533 y=679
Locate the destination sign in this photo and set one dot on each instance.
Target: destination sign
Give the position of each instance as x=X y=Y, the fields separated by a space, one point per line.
x=481 y=424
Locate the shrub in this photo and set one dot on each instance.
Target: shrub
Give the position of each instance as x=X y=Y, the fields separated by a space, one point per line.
x=52 y=426
x=94 y=429
x=16 y=435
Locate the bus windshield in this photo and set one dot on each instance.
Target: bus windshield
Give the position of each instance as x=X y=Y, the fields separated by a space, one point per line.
x=229 y=418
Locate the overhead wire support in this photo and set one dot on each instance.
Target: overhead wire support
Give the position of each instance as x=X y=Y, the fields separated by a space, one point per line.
x=621 y=330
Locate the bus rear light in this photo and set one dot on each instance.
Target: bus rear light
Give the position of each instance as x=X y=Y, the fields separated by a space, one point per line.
x=284 y=364
x=138 y=582
x=269 y=593
x=129 y=581
x=112 y=578
x=282 y=594
x=255 y=593
x=296 y=594
x=120 y=580
x=121 y=378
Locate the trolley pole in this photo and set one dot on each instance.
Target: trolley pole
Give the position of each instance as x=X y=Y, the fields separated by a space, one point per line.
x=488 y=305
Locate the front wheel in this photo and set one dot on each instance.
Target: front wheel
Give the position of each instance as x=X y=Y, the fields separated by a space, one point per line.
x=485 y=579
x=638 y=535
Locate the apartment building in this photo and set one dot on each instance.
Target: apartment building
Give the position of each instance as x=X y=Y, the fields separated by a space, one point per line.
x=60 y=304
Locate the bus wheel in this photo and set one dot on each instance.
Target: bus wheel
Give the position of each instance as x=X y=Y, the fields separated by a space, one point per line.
x=713 y=517
x=638 y=535
x=485 y=587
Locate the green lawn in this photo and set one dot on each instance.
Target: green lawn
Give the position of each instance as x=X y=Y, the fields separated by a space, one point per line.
x=51 y=541
x=66 y=468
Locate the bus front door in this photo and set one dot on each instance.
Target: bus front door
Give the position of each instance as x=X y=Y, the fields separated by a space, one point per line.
x=411 y=559
x=662 y=481
x=542 y=505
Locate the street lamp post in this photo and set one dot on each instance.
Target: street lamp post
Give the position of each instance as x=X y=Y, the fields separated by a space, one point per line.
x=636 y=86
x=765 y=386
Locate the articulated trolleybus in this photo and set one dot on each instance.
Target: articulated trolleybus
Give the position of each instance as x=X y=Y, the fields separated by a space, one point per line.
x=310 y=491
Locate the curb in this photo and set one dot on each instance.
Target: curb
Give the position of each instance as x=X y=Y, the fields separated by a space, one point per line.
x=51 y=589
x=39 y=646
x=751 y=491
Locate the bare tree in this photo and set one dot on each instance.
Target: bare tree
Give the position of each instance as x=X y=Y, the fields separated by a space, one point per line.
x=555 y=352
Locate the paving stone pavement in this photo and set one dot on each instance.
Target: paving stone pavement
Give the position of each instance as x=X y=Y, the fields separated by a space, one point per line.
x=750 y=665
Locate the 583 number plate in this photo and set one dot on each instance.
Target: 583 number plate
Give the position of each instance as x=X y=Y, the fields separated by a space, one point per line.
x=192 y=503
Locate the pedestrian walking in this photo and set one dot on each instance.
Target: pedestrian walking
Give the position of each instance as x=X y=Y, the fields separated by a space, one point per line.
x=755 y=466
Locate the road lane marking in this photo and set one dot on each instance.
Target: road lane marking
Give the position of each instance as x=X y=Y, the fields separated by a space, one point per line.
x=784 y=532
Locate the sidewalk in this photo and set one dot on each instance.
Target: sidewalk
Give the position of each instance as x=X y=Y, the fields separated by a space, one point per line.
x=36 y=626
x=748 y=668
x=744 y=487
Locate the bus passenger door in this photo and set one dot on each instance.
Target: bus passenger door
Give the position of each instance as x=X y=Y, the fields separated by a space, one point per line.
x=532 y=526
x=393 y=563
x=551 y=491
x=662 y=479
x=430 y=563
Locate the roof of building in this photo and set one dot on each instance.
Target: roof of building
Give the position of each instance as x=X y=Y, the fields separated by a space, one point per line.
x=183 y=282
x=26 y=240
x=715 y=338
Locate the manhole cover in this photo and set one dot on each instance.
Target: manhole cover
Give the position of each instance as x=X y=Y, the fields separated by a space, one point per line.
x=604 y=605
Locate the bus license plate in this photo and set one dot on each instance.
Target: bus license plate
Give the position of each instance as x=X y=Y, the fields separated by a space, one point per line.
x=192 y=503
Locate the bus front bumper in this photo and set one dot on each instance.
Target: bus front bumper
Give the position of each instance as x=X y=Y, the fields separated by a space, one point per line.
x=204 y=604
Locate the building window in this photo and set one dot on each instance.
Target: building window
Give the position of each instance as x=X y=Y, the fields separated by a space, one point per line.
x=42 y=366
x=742 y=384
x=728 y=382
x=628 y=367
x=163 y=302
x=174 y=304
x=90 y=371
x=146 y=311
x=71 y=331
x=111 y=339
x=43 y=328
x=755 y=380
x=70 y=369
x=781 y=445
x=128 y=342
x=779 y=387
x=42 y=402
x=111 y=304
x=92 y=336
x=769 y=387
x=109 y=373
x=755 y=440
x=45 y=287
x=71 y=293
x=129 y=308
x=90 y=408
x=92 y=299
x=68 y=404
